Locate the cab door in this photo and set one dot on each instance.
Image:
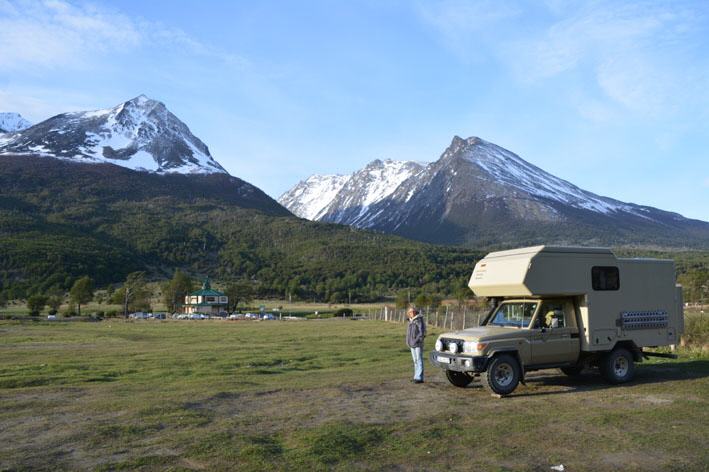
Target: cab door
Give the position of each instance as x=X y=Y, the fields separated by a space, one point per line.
x=555 y=336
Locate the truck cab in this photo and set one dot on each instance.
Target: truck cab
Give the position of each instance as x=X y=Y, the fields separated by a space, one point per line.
x=538 y=333
x=562 y=308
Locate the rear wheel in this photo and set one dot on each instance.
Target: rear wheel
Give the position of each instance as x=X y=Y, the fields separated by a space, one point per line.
x=618 y=366
x=502 y=375
x=459 y=379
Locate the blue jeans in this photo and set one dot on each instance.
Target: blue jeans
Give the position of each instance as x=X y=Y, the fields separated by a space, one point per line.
x=417 y=355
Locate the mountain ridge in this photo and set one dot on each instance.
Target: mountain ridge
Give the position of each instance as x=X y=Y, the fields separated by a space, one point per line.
x=480 y=193
x=139 y=134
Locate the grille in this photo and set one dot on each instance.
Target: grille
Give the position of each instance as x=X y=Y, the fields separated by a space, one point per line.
x=644 y=319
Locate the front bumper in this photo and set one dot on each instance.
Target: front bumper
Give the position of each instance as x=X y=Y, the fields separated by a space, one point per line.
x=458 y=362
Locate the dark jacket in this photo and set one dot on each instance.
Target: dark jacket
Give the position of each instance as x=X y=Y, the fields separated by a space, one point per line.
x=416 y=331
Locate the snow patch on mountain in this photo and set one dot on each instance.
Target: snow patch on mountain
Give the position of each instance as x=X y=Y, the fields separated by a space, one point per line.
x=309 y=198
x=503 y=166
x=12 y=123
x=140 y=134
x=387 y=193
x=321 y=196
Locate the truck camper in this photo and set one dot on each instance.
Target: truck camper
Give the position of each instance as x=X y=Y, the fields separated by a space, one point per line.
x=563 y=307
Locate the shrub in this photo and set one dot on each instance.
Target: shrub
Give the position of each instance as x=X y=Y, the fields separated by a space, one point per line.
x=69 y=311
x=344 y=312
x=36 y=304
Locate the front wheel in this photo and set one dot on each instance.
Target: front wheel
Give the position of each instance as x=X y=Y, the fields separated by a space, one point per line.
x=459 y=379
x=502 y=375
x=618 y=366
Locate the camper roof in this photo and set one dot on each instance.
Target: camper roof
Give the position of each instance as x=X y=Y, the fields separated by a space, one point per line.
x=538 y=271
x=534 y=250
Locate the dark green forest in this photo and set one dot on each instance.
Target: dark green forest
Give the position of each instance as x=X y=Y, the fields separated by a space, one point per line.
x=60 y=221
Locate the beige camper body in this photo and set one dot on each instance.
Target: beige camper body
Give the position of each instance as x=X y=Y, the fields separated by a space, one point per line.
x=615 y=299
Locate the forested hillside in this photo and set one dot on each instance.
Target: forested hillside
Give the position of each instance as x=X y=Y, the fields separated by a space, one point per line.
x=60 y=220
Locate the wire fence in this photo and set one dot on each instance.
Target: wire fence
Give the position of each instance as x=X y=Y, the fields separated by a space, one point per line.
x=446 y=317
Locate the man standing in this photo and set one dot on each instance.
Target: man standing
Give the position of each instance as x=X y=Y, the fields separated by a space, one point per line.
x=415 y=334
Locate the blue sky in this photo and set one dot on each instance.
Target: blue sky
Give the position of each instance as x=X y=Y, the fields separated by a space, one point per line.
x=612 y=96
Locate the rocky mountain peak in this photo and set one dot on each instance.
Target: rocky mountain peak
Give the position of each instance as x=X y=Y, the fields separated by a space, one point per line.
x=475 y=189
x=12 y=122
x=141 y=134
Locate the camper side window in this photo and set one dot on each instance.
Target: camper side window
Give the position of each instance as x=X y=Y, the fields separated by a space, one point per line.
x=605 y=278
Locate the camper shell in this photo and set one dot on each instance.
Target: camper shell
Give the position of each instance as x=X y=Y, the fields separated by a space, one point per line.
x=583 y=307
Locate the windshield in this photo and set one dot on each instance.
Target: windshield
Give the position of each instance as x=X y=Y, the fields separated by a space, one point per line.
x=517 y=314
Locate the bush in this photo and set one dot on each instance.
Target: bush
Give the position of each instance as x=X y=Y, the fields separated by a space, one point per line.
x=344 y=312
x=36 y=304
x=111 y=313
x=69 y=311
x=696 y=330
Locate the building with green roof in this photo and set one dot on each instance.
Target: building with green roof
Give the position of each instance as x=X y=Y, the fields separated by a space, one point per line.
x=206 y=300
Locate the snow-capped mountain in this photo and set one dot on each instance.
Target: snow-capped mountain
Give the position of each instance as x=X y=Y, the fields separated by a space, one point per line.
x=12 y=123
x=346 y=198
x=480 y=192
x=140 y=134
x=310 y=197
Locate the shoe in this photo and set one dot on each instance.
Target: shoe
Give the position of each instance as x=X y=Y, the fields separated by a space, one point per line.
x=418 y=381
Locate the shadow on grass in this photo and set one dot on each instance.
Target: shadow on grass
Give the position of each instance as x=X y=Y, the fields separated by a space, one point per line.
x=644 y=375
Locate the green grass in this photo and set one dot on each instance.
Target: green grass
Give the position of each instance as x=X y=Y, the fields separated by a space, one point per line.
x=318 y=395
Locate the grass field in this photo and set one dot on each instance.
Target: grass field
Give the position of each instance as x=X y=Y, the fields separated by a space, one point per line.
x=318 y=395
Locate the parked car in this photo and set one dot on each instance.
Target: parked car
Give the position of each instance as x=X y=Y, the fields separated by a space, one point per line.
x=51 y=317
x=268 y=316
x=160 y=316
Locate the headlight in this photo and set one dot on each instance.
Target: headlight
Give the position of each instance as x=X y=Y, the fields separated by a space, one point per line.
x=453 y=347
x=439 y=345
x=474 y=347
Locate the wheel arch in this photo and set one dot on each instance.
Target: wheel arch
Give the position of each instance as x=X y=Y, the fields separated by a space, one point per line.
x=514 y=353
x=633 y=348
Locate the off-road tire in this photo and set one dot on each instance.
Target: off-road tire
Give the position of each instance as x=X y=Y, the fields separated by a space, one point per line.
x=617 y=366
x=502 y=375
x=573 y=370
x=459 y=379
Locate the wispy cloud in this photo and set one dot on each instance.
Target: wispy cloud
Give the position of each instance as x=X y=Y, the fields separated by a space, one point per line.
x=462 y=24
x=646 y=57
x=53 y=34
